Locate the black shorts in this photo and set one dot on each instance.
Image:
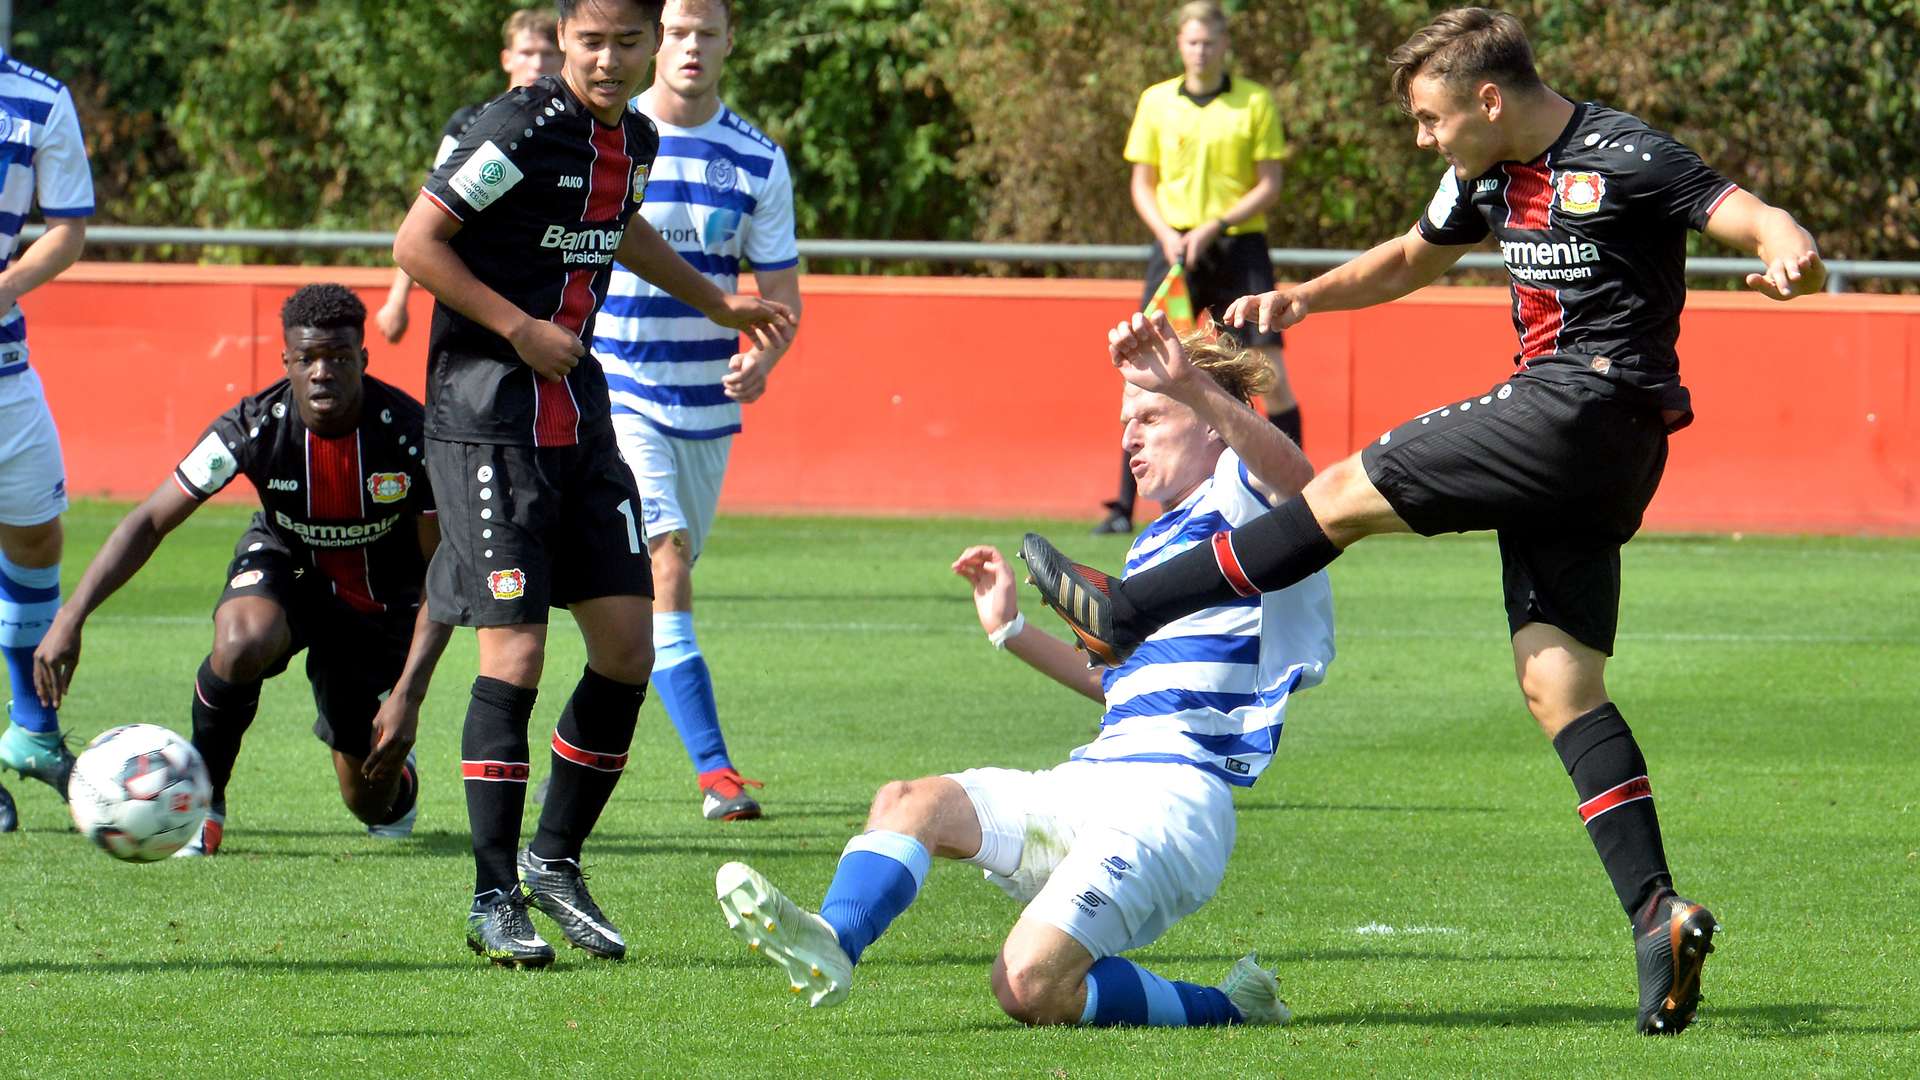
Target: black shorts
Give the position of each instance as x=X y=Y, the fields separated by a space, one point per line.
x=1235 y=266
x=525 y=528
x=1560 y=460
x=353 y=657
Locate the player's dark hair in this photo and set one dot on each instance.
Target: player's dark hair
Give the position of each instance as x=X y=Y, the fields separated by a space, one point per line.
x=324 y=306
x=565 y=8
x=1462 y=47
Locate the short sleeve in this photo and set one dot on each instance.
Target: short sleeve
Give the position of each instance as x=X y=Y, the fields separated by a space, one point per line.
x=1450 y=219
x=1233 y=493
x=219 y=456
x=1269 y=142
x=1673 y=180
x=1143 y=138
x=770 y=239
x=482 y=168
x=63 y=182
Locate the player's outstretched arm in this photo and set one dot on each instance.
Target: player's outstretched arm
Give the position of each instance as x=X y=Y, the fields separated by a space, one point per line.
x=1792 y=259
x=1148 y=354
x=132 y=543
x=746 y=377
x=397 y=725
x=423 y=248
x=1384 y=272
x=769 y=325
x=996 y=600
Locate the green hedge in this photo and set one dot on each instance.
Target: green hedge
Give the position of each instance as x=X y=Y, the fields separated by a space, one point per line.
x=996 y=119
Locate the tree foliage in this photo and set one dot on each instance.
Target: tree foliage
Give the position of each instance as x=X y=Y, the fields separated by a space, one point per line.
x=996 y=119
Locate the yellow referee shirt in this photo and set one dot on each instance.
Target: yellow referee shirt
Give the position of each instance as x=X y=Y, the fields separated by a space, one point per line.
x=1205 y=153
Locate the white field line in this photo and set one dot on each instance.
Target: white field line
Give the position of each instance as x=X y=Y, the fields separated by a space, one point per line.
x=1374 y=929
x=959 y=629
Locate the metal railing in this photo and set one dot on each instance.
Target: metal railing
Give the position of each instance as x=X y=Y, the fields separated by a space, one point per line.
x=1839 y=271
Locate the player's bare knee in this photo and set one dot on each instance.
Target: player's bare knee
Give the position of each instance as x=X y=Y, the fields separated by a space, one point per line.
x=242 y=652
x=1034 y=992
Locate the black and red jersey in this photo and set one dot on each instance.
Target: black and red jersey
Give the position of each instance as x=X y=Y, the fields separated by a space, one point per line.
x=543 y=192
x=1593 y=233
x=349 y=504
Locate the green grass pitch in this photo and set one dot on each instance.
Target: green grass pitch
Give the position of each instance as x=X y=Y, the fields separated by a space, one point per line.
x=1412 y=863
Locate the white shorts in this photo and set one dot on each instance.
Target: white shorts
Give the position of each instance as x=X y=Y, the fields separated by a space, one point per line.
x=679 y=479
x=33 y=478
x=1111 y=852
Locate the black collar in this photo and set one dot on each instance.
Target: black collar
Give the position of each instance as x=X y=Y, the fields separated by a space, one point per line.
x=1203 y=100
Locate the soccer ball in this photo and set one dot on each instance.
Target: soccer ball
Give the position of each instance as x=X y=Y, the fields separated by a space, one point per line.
x=140 y=792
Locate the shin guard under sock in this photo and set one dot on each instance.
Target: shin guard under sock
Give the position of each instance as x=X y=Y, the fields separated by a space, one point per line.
x=1120 y=991
x=589 y=753
x=880 y=873
x=493 y=764
x=222 y=712
x=1616 y=802
x=1270 y=552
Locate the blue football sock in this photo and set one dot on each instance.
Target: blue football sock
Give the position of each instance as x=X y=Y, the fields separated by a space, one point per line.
x=880 y=873
x=28 y=599
x=684 y=686
x=1120 y=991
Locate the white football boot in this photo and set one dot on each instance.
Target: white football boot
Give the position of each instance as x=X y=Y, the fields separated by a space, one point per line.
x=799 y=941
x=1255 y=992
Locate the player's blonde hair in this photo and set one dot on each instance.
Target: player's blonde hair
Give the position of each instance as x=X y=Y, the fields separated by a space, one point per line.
x=540 y=22
x=1206 y=11
x=1240 y=371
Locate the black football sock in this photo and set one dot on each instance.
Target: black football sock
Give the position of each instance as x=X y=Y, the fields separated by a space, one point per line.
x=1616 y=802
x=493 y=761
x=1129 y=488
x=1288 y=421
x=1270 y=552
x=222 y=712
x=403 y=801
x=589 y=752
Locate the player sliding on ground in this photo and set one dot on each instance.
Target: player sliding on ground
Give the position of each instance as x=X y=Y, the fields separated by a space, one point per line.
x=334 y=563
x=1591 y=208
x=1132 y=833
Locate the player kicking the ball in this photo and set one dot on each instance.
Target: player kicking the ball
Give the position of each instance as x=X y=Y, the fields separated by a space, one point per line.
x=333 y=563
x=1132 y=833
x=1591 y=208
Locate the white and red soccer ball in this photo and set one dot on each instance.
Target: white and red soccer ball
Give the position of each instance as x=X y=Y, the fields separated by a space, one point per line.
x=140 y=792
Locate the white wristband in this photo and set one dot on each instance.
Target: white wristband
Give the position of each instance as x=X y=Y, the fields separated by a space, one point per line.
x=1011 y=630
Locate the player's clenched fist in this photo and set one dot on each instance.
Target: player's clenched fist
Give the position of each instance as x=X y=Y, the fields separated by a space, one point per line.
x=549 y=349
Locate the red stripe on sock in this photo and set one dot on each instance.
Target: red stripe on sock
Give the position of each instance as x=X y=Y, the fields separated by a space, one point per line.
x=603 y=762
x=1230 y=565
x=1630 y=791
x=506 y=772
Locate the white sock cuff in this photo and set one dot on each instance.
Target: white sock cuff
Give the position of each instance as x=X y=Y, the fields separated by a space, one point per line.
x=1093 y=1001
x=899 y=847
x=33 y=577
x=672 y=628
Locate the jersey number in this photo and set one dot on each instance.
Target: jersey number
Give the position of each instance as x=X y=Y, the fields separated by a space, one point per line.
x=633 y=534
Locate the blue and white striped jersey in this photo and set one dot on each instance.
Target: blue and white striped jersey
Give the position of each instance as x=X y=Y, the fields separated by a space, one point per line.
x=718 y=193
x=1211 y=689
x=45 y=161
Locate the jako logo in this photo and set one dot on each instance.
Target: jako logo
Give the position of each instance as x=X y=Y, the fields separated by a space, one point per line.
x=283 y=485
